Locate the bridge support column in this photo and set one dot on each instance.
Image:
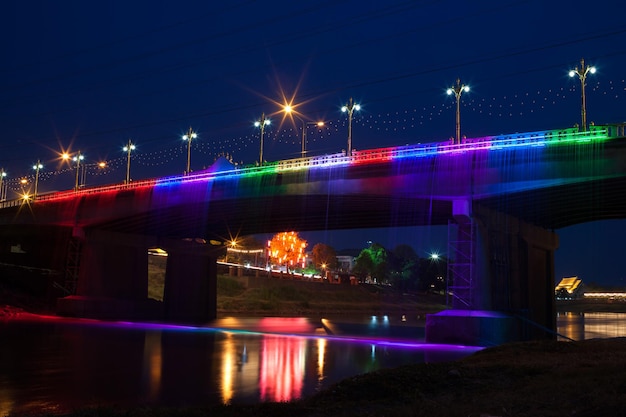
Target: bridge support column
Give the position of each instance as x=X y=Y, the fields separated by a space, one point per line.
x=112 y=280
x=512 y=286
x=190 y=282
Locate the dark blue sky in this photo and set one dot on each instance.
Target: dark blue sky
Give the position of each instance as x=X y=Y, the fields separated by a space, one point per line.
x=89 y=76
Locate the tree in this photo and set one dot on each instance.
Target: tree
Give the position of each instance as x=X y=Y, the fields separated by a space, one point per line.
x=372 y=262
x=325 y=255
x=287 y=249
x=404 y=267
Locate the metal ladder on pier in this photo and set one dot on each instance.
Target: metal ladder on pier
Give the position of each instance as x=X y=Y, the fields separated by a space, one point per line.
x=461 y=263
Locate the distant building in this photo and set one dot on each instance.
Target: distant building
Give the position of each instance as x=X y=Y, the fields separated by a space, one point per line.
x=569 y=289
x=345 y=263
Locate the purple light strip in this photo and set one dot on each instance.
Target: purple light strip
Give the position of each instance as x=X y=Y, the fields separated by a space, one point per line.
x=398 y=343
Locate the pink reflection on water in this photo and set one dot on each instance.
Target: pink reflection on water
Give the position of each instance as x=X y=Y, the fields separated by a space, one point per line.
x=283 y=362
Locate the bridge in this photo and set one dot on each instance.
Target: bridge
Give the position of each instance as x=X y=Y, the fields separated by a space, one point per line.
x=503 y=195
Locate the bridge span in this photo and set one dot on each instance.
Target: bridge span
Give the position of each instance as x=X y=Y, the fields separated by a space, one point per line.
x=504 y=194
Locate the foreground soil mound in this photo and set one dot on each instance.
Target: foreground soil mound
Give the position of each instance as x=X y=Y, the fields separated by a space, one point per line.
x=526 y=379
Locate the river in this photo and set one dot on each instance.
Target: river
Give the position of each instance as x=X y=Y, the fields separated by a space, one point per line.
x=50 y=364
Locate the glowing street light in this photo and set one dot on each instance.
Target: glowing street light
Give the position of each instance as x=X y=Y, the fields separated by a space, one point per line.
x=3 y=185
x=261 y=123
x=128 y=149
x=76 y=158
x=350 y=108
x=289 y=110
x=457 y=90
x=37 y=167
x=582 y=75
x=189 y=136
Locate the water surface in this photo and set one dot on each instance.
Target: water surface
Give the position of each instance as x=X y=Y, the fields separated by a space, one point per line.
x=55 y=365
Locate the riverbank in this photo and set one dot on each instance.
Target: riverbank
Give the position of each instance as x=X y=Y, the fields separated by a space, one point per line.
x=294 y=298
x=277 y=297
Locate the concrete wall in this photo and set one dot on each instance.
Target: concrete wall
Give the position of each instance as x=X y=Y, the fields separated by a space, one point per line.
x=512 y=285
x=114 y=265
x=516 y=261
x=190 y=294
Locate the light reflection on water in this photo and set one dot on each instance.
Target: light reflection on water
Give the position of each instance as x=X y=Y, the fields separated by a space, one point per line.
x=55 y=365
x=591 y=325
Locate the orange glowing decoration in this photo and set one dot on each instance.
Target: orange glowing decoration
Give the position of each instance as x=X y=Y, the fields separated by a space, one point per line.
x=287 y=249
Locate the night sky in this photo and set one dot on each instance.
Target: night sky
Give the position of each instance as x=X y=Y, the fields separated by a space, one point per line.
x=89 y=76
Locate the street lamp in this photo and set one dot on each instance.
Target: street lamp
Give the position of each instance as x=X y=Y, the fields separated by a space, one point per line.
x=189 y=136
x=36 y=167
x=582 y=75
x=289 y=110
x=128 y=149
x=77 y=158
x=349 y=108
x=457 y=90
x=3 y=194
x=262 y=122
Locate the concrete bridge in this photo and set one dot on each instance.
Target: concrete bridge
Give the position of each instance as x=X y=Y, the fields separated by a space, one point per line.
x=505 y=195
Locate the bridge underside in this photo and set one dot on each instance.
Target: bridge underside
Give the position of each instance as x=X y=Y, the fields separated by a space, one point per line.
x=302 y=213
x=567 y=205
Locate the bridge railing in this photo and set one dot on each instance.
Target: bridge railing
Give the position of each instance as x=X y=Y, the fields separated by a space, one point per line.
x=508 y=141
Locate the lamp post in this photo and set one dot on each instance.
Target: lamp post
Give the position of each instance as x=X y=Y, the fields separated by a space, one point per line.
x=261 y=123
x=304 y=128
x=3 y=194
x=189 y=136
x=457 y=90
x=77 y=159
x=288 y=109
x=582 y=75
x=350 y=108
x=128 y=149
x=36 y=167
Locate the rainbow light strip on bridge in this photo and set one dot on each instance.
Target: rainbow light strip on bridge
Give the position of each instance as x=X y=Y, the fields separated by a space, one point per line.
x=489 y=143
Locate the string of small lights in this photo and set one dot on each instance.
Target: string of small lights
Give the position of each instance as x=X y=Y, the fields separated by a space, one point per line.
x=516 y=105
